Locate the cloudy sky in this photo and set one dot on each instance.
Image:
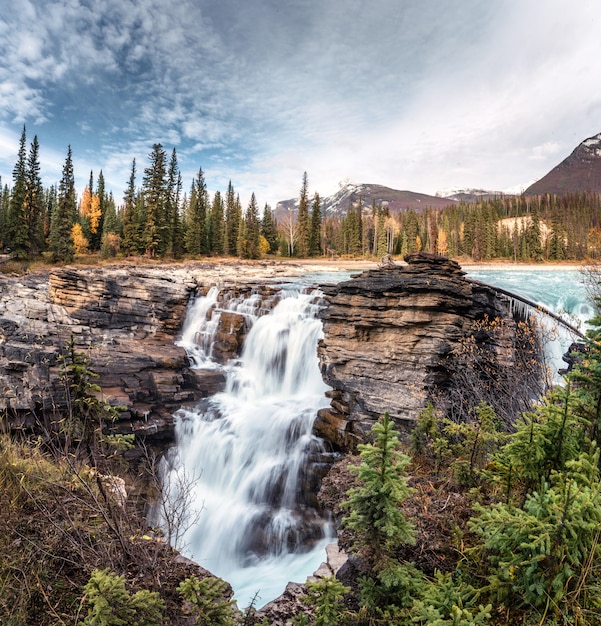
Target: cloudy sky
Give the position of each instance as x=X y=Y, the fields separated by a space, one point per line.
x=425 y=95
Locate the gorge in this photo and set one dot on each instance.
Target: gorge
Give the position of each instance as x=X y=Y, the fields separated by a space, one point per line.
x=390 y=342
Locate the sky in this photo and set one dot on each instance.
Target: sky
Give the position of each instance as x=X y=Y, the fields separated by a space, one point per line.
x=425 y=95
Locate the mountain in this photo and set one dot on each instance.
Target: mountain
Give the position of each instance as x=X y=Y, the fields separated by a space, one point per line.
x=581 y=171
x=350 y=194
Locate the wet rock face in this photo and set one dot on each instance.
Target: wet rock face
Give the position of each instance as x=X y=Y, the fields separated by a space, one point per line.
x=387 y=337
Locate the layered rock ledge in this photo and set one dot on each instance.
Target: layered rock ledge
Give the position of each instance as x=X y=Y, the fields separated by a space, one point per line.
x=126 y=320
x=388 y=334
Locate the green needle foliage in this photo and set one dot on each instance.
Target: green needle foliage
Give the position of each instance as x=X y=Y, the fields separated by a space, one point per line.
x=207 y=601
x=378 y=524
x=112 y=605
x=327 y=597
x=447 y=601
x=546 y=553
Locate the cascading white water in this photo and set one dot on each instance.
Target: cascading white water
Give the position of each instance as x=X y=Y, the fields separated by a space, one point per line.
x=242 y=456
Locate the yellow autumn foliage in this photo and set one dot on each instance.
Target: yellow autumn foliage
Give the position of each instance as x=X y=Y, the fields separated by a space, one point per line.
x=90 y=207
x=79 y=240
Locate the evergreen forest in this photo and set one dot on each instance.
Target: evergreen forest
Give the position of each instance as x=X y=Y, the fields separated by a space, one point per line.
x=160 y=216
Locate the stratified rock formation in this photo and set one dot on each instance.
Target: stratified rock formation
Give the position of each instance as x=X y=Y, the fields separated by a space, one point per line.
x=125 y=319
x=389 y=337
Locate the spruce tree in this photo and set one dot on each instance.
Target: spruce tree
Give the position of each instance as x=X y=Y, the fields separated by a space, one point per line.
x=154 y=192
x=269 y=230
x=129 y=242
x=252 y=231
x=378 y=524
x=315 y=233
x=173 y=243
x=17 y=219
x=103 y=201
x=34 y=201
x=64 y=216
x=4 y=203
x=217 y=226
x=304 y=226
x=233 y=213
x=197 y=241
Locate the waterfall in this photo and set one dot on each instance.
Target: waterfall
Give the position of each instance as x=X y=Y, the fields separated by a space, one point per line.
x=239 y=482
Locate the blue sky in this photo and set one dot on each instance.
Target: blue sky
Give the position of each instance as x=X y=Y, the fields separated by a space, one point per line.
x=413 y=94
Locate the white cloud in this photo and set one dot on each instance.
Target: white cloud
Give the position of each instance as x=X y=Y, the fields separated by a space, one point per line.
x=418 y=94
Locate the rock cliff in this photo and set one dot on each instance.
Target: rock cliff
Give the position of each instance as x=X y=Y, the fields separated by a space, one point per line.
x=125 y=319
x=390 y=335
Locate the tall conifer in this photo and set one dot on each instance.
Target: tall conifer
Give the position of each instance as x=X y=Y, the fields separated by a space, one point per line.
x=269 y=230
x=129 y=242
x=154 y=190
x=34 y=201
x=315 y=231
x=217 y=226
x=64 y=216
x=233 y=214
x=303 y=231
x=17 y=218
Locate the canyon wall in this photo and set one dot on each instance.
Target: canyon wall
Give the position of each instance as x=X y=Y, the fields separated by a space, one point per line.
x=125 y=320
x=389 y=338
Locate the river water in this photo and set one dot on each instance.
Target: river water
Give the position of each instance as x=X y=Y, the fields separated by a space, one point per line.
x=234 y=480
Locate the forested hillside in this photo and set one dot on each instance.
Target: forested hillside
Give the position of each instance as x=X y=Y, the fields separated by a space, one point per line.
x=160 y=216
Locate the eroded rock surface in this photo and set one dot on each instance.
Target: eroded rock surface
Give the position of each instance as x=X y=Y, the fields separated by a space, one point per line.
x=388 y=334
x=126 y=320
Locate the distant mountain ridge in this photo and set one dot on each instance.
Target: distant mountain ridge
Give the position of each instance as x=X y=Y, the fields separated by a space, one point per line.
x=350 y=194
x=580 y=171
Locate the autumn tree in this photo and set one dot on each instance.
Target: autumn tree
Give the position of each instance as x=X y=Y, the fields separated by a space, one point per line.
x=89 y=213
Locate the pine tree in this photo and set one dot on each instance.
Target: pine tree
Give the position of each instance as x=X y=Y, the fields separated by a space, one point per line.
x=154 y=192
x=315 y=232
x=4 y=204
x=250 y=232
x=303 y=221
x=269 y=230
x=17 y=219
x=375 y=518
x=233 y=213
x=217 y=226
x=111 y=239
x=64 y=216
x=172 y=226
x=197 y=241
x=34 y=201
x=130 y=240
x=103 y=200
